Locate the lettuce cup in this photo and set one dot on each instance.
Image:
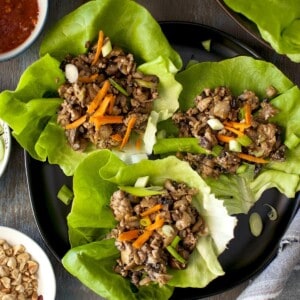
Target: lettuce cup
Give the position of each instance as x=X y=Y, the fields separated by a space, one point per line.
x=115 y=205
x=278 y=23
x=237 y=127
x=75 y=64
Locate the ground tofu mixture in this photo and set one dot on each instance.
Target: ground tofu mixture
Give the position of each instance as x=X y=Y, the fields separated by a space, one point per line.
x=105 y=97
x=238 y=129
x=155 y=232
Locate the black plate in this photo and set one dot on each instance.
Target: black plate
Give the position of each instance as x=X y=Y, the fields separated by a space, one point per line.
x=245 y=23
x=245 y=255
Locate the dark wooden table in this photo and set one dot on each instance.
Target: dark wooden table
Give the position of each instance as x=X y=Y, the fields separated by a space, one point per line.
x=15 y=208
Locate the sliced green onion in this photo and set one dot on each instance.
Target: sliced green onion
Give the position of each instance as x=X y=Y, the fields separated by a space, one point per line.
x=256 y=224
x=217 y=150
x=175 y=241
x=145 y=83
x=118 y=87
x=65 y=195
x=145 y=221
x=206 y=45
x=235 y=146
x=142 y=181
x=175 y=254
x=142 y=191
x=106 y=49
x=272 y=214
x=215 y=124
x=244 y=140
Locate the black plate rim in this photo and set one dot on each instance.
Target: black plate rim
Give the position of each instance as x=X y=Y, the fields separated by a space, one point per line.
x=29 y=176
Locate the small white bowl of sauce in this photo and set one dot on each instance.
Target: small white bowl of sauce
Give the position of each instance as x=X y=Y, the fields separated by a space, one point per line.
x=21 y=22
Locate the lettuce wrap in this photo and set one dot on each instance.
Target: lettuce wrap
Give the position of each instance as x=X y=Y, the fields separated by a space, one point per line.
x=277 y=21
x=92 y=256
x=31 y=109
x=239 y=74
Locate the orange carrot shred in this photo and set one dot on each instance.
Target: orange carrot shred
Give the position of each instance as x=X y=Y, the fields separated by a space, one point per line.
x=237 y=132
x=159 y=222
x=248 y=117
x=138 y=143
x=76 y=123
x=252 y=158
x=237 y=125
x=151 y=210
x=99 y=47
x=128 y=235
x=99 y=97
x=130 y=126
x=111 y=104
x=88 y=79
x=116 y=137
x=103 y=106
x=225 y=138
x=142 y=239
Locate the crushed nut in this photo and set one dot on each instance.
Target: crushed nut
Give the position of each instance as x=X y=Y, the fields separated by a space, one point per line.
x=18 y=273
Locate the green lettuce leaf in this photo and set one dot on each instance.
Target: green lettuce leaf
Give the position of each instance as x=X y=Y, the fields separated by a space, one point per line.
x=31 y=109
x=277 y=21
x=238 y=74
x=95 y=179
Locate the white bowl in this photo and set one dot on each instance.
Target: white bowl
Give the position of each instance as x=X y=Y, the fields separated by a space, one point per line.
x=46 y=277
x=5 y=140
x=43 y=9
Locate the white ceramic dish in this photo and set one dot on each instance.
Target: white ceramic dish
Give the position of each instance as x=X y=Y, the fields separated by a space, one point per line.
x=43 y=9
x=46 y=277
x=5 y=140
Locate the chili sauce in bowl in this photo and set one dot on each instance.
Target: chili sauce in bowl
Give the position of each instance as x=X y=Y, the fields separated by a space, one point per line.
x=21 y=22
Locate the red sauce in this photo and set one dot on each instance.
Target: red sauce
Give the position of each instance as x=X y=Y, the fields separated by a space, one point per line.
x=17 y=20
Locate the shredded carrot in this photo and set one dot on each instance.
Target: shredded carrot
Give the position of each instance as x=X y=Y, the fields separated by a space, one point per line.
x=225 y=138
x=130 y=126
x=99 y=47
x=252 y=158
x=237 y=125
x=116 y=137
x=237 y=132
x=142 y=239
x=103 y=106
x=248 y=117
x=76 y=123
x=88 y=79
x=138 y=143
x=99 y=97
x=159 y=222
x=102 y=120
x=111 y=104
x=151 y=210
x=129 y=235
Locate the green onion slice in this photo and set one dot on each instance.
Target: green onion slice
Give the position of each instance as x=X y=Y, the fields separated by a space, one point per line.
x=65 y=195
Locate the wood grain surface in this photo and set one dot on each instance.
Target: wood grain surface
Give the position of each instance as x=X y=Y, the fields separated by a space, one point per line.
x=15 y=207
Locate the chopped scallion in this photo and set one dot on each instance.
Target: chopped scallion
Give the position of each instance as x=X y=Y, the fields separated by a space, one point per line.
x=175 y=254
x=65 y=195
x=118 y=87
x=256 y=224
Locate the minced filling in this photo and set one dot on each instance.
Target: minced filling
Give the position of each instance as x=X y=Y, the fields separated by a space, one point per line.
x=236 y=130
x=105 y=97
x=155 y=232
